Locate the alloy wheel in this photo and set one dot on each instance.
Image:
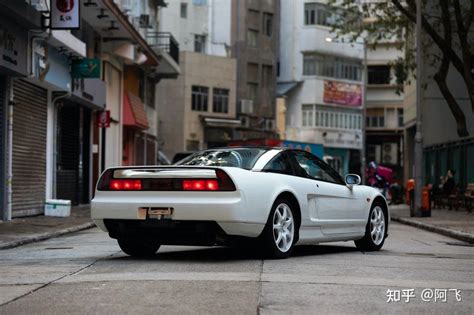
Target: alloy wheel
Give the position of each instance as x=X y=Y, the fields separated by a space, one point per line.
x=377 y=225
x=283 y=227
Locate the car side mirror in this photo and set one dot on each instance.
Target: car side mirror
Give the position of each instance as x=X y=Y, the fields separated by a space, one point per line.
x=352 y=180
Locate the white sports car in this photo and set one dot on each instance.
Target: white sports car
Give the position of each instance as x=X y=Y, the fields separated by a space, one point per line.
x=275 y=197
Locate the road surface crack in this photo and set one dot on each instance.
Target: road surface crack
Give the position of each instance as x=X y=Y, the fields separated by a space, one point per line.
x=260 y=287
x=58 y=279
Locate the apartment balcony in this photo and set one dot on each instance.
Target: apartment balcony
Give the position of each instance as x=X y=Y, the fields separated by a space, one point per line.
x=166 y=46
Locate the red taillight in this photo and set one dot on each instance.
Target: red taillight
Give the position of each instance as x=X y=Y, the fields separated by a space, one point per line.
x=200 y=184
x=125 y=184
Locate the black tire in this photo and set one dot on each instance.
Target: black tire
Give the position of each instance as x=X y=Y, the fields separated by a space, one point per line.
x=138 y=247
x=267 y=241
x=367 y=243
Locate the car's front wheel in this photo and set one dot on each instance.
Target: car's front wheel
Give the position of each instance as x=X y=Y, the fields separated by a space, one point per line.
x=138 y=247
x=279 y=235
x=375 y=230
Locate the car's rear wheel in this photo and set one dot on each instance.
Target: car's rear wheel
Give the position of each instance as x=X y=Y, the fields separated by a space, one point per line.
x=138 y=247
x=279 y=235
x=375 y=230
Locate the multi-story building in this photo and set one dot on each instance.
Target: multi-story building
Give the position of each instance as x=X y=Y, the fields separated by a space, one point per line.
x=255 y=44
x=322 y=81
x=198 y=110
x=55 y=84
x=156 y=58
x=384 y=108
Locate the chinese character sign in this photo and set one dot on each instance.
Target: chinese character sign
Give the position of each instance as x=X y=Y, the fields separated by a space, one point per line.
x=103 y=119
x=65 y=14
x=342 y=93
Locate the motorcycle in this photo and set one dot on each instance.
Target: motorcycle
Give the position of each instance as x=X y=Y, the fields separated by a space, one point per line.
x=380 y=177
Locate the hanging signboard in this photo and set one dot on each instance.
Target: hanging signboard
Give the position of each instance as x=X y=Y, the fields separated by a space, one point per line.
x=342 y=93
x=13 y=48
x=87 y=68
x=103 y=119
x=65 y=14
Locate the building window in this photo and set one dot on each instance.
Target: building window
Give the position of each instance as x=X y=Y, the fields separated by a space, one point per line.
x=200 y=95
x=267 y=24
x=307 y=113
x=375 y=118
x=252 y=91
x=252 y=38
x=323 y=116
x=378 y=74
x=332 y=67
x=252 y=72
x=317 y=14
x=184 y=10
x=267 y=77
x=200 y=43
x=220 y=100
x=200 y=2
x=400 y=117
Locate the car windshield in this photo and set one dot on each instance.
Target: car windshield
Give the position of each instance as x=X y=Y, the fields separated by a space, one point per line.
x=239 y=157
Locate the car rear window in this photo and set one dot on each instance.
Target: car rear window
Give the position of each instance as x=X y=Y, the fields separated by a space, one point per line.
x=240 y=157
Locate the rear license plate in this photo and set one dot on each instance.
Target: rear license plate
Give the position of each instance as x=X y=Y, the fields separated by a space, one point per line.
x=159 y=213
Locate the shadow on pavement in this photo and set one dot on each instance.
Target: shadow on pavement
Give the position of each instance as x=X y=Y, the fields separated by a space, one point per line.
x=221 y=254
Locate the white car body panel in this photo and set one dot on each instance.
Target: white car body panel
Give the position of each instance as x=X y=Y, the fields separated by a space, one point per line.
x=329 y=212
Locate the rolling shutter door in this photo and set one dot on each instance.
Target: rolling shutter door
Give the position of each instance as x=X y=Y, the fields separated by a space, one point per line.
x=2 y=142
x=68 y=154
x=29 y=149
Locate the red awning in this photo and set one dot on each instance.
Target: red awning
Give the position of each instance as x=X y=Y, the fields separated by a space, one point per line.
x=134 y=112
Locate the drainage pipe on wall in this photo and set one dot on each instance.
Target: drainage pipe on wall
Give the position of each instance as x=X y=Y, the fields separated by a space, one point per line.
x=11 y=103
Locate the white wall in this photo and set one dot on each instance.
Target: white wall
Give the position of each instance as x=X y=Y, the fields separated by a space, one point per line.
x=296 y=38
x=439 y=125
x=212 y=20
x=220 y=27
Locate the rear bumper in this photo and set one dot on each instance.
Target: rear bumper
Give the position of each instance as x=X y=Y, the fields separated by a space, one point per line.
x=227 y=209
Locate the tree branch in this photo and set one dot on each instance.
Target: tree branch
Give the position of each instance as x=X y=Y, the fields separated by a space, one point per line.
x=441 y=75
x=470 y=16
x=440 y=79
x=465 y=49
x=439 y=41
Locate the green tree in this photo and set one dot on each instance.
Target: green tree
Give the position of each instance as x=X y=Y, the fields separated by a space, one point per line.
x=448 y=37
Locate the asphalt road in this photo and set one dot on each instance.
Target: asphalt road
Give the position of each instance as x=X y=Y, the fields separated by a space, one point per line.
x=87 y=273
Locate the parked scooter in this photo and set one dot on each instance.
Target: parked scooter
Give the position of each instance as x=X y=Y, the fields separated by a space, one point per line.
x=380 y=177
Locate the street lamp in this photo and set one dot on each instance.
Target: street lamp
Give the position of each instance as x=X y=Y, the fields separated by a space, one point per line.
x=364 y=101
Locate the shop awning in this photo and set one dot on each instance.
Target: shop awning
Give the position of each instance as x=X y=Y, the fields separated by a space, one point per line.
x=134 y=112
x=284 y=88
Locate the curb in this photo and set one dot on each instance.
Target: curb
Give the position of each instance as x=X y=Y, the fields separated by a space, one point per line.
x=462 y=236
x=45 y=236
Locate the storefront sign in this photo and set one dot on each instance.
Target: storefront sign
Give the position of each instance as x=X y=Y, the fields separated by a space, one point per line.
x=348 y=140
x=13 y=48
x=65 y=14
x=50 y=67
x=342 y=93
x=103 y=119
x=85 y=68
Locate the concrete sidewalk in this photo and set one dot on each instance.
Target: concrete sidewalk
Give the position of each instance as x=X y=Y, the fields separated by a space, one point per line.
x=26 y=230
x=456 y=224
